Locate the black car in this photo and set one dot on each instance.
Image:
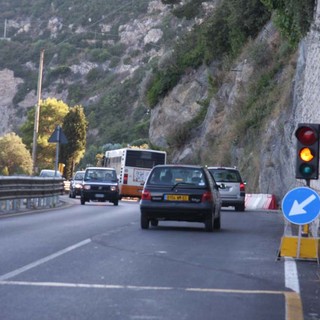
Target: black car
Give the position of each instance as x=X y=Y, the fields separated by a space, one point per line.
x=180 y=193
x=76 y=184
x=100 y=184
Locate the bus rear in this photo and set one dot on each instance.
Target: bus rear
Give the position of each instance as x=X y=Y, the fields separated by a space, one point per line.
x=133 y=167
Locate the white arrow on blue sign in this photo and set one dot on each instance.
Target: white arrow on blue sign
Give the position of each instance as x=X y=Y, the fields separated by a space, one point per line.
x=301 y=205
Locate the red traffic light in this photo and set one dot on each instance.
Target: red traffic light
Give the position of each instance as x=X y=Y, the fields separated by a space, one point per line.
x=306 y=135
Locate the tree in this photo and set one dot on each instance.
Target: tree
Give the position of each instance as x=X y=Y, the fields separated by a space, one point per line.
x=74 y=127
x=14 y=156
x=52 y=113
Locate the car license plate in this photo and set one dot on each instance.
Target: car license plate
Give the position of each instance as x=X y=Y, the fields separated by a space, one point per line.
x=177 y=197
x=99 y=195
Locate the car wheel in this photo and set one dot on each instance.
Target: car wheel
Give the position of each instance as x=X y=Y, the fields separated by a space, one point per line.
x=69 y=195
x=144 y=221
x=240 y=207
x=82 y=201
x=73 y=195
x=116 y=202
x=217 y=223
x=208 y=224
x=154 y=222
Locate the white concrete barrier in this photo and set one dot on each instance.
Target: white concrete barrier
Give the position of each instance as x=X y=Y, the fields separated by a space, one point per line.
x=260 y=201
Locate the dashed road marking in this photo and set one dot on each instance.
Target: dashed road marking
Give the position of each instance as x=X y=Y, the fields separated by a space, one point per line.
x=293 y=305
x=43 y=260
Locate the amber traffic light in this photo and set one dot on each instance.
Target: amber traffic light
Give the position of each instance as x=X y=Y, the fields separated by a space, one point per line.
x=307 y=152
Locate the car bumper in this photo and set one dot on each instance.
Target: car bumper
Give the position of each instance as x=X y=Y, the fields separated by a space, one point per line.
x=226 y=202
x=100 y=196
x=176 y=211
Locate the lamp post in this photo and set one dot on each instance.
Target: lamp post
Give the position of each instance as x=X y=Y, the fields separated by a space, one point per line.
x=37 y=115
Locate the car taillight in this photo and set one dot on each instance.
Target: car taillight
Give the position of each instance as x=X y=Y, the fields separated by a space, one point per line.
x=207 y=196
x=146 y=195
x=242 y=187
x=125 y=178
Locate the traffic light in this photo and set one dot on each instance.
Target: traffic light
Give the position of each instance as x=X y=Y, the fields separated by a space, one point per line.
x=307 y=165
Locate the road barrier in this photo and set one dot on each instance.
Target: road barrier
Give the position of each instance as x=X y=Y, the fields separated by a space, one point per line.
x=20 y=192
x=261 y=201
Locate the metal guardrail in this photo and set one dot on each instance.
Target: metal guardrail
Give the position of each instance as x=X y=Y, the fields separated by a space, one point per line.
x=20 y=192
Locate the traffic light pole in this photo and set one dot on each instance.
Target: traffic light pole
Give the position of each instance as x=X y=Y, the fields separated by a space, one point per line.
x=305 y=231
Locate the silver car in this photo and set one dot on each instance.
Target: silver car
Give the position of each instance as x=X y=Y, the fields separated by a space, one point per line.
x=232 y=189
x=76 y=184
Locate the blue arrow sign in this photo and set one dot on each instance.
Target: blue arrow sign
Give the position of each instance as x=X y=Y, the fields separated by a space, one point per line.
x=301 y=205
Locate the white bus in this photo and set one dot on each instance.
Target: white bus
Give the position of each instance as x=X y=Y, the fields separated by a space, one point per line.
x=133 y=167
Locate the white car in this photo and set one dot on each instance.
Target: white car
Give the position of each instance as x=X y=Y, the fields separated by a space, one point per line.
x=50 y=173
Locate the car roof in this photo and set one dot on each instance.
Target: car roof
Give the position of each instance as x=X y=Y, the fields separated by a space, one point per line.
x=224 y=168
x=99 y=168
x=178 y=166
x=50 y=171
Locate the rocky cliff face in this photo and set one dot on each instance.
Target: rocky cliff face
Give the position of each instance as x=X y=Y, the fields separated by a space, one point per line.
x=8 y=89
x=269 y=166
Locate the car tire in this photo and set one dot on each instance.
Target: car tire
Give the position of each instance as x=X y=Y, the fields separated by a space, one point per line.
x=144 y=221
x=240 y=207
x=154 y=222
x=116 y=202
x=208 y=224
x=82 y=201
x=217 y=223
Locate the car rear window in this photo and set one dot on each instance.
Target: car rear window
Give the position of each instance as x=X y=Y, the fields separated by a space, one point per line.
x=174 y=175
x=225 y=175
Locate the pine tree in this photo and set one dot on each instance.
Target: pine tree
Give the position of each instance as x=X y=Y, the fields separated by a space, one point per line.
x=74 y=127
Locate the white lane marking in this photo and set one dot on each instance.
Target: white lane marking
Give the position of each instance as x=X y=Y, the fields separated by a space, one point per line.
x=82 y=285
x=291 y=275
x=293 y=304
x=113 y=286
x=43 y=260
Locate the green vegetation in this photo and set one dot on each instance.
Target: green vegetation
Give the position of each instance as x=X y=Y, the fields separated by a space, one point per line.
x=224 y=33
x=52 y=113
x=14 y=156
x=75 y=128
x=293 y=17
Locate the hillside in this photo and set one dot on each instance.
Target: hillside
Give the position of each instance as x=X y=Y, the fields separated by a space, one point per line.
x=89 y=50
x=211 y=82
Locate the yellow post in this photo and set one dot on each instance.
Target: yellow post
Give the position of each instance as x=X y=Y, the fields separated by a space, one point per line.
x=61 y=167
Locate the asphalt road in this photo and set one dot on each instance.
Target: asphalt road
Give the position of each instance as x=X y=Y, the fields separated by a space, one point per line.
x=94 y=262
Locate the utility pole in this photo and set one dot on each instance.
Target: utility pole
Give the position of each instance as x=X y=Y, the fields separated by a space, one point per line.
x=37 y=115
x=5 y=29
